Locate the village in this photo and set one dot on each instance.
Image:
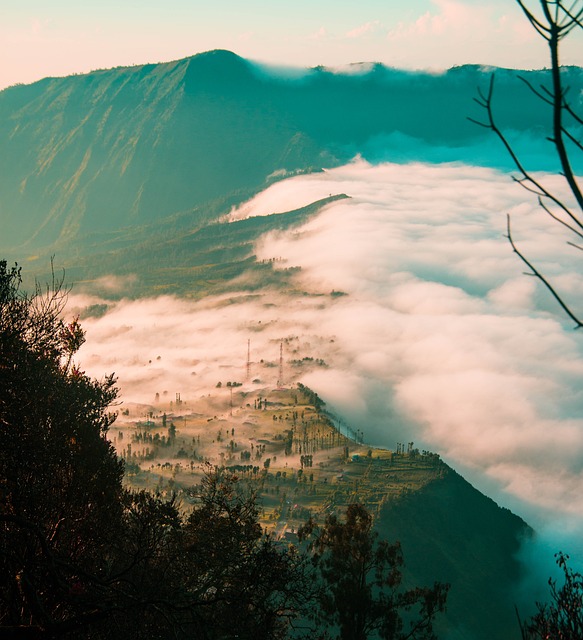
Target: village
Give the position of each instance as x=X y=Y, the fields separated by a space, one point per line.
x=280 y=442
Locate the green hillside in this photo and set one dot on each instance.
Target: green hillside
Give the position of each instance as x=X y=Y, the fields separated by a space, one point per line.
x=192 y=264
x=467 y=540
x=125 y=147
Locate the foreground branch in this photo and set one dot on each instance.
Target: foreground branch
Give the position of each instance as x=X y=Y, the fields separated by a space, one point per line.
x=537 y=274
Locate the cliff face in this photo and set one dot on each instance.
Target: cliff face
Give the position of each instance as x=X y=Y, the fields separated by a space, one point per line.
x=130 y=146
x=120 y=148
x=450 y=532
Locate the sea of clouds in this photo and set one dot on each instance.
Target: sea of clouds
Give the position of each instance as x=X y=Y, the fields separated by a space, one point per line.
x=440 y=339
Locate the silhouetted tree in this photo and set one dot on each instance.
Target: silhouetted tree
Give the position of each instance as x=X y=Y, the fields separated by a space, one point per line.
x=59 y=476
x=362 y=592
x=553 y=20
x=232 y=576
x=82 y=557
x=562 y=618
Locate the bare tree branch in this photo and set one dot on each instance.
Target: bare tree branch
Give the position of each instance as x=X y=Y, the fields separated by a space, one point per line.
x=539 y=26
x=559 y=220
x=558 y=101
x=554 y=21
x=572 y=138
x=537 y=93
x=536 y=273
x=573 y=114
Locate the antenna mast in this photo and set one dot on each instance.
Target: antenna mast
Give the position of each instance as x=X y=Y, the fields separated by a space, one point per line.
x=248 y=359
x=280 y=381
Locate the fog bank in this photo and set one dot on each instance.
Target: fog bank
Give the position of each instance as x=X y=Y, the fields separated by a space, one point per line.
x=440 y=338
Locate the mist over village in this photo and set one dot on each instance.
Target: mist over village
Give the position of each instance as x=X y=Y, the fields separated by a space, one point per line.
x=290 y=314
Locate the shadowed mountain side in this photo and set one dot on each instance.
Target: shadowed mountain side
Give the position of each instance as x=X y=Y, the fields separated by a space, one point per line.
x=303 y=466
x=452 y=533
x=193 y=264
x=130 y=146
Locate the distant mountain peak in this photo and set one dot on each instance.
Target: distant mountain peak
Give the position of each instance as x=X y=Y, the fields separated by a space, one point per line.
x=223 y=55
x=217 y=68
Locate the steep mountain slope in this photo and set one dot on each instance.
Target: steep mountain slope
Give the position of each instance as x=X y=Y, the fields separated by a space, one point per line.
x=449 y=531
x=114 y=149
x=132 y=146
x=452 y=533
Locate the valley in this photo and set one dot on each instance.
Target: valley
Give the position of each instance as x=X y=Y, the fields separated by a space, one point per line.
x=351 y=221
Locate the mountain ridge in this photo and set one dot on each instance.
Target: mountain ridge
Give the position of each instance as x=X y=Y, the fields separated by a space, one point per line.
x=129 y=146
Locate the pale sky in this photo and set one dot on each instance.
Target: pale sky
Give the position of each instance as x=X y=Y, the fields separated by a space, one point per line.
x=40 y=38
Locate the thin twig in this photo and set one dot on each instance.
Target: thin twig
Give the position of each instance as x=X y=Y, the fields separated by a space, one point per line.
x=539 y=275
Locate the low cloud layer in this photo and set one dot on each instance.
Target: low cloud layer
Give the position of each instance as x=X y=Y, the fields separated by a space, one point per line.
x=440 y=339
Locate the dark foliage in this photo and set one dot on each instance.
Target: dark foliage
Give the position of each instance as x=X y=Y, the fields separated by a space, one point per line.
x=80 y=556
x=236 y=572
x=562 y=617
x=60 y=478
x=362 y=593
